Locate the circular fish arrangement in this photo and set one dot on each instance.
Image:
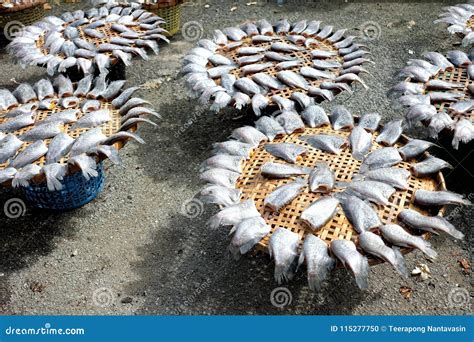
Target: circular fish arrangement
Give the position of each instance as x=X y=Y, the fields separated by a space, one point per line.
x=439 y=92
x=55 y=128
x=327 y=189
x=460 y=20
x=262 y=65
x=91 y=40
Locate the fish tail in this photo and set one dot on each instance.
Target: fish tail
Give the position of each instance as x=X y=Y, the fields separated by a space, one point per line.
x=358 y=155
x=399 y=262
x=455 y=233
x=111 y=153
x=282 y=273
x=17 y=182
x=234 y=251
x=314 y=282
x=123 y=136
x=89 y=171
x=215 y=221
x=428 y=250
x=362 y=274
x=53 y=183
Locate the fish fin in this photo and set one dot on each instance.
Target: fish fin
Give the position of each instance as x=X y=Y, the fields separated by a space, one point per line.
x=234 y=251
x=399 y=262
x=111 y=153
x=53 y=184
x=428 y=250
x=215 y=221
x=363 y=168
x=362 y=275
x=17 y=182
x=123 y=136
x=300 y=260
x=245 y=248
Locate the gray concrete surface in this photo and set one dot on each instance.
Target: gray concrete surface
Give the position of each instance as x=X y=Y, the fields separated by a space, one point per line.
x=132 y=251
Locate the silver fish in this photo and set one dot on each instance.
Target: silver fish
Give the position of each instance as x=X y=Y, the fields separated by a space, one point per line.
x=25 y=175
x=250 y=50
x=277 y=170
x=18 y=122
x=315 y=116
x=247 y=86
x=341 y=118
x=120 y=100
x=132 y=103
x=312 y=28
x=321 y=178
x=59 y=146
x=326 y=143
x=315 y=73
x=398 y=236
x=302 y=99
x=220 y=195
x=247 y=234
x=458 y=58
x=259 y=102
x=325 y=32
x=220 y=177
x=373 y=244
x=283 y=195
x=323 y=54
x=443 y=85
x=90 y=105
x=9 y=145
x=410 y=100
x=223 y=161
x=7 y=174
x=267 y=81
x=429 y=166
x=265 y=27
x=292 y=79
x=29 y=155
x=43 y=89
x=69 y=102
x=100 y=85
x=275 y=56
x=374 y=191
x=220 y=38
x=284 y=47
x=391 y=132
x=270 y=127
x=414 y=148
x=438 y=198
x=283 y=246
x=63 y=86
x=299 y=26
x=282 y=26
x=234 y=214
x=234 y=148
x=113 y=89
x=83 y=86
x=249 y=135
x=325 y=64
x=379 y=158
x=360 y=141
x=103 y=63
x=319 y=263
x=251 y=29
x=320 y=212
x=288 y=64
x=44 y=131
x=370 y=121
x=434 y=224
x=93 y=119
x=66 y=117
x=442 y=96
x=139 y=112
x=463 y=132
x=395 y=177
x=234 y=33
x=240 y=100
x=54 y=174
x=462 y=107
x=94 y=33
x=254 y=68
x=408 y=88
x=286 y=151
x=220 y=70
x=348 y=77
x=86 y=164
x=25 y=93
x=246 y=60
x=218 y=59
x=347 y=253
x=438 y=122
x=439 y=60
x=359 y=213
x=290 y=121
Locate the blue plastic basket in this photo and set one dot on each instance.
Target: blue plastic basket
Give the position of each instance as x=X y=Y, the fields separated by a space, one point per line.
x=76 y=192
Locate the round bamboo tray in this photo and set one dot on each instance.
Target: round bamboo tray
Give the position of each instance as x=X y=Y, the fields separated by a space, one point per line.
x=108 y=129
x=170 y=11
x=106 y=30
x=255 y=186
x=230 y=51
x=456 y=75
x=25 y=13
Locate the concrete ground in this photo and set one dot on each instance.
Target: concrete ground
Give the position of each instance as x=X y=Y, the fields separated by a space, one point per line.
x=133 y=251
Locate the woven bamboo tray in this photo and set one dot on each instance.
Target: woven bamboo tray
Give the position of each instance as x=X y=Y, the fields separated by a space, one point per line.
x=25 y=4
x=108 y=129
x=26 y=14
x=231 y=52
x=255 y=186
